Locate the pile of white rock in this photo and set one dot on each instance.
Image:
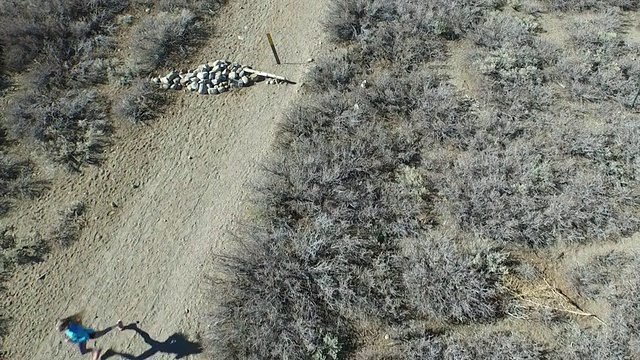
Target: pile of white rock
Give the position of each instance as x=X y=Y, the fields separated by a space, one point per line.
x=213 y=78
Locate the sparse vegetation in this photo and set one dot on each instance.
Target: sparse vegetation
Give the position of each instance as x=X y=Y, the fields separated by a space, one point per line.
x=392 y=206
x=70 y=225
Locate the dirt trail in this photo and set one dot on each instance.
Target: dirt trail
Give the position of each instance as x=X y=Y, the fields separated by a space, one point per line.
x=145 y=259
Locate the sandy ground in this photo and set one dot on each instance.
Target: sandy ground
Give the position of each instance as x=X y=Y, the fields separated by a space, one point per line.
x=145 y=258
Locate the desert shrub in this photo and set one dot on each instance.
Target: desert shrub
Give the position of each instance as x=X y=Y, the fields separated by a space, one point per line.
x=591 y=278
x=498 y=28
x=270 y=303
x=607 y=68
x=52 y=28
x=409 y=340
x=14 y=251
x=404 y=33
x=70 y=225
x=493 y=345
x=71 y=125
x=516 y=63
x=140 y=102
x=173 y=5
x=580 y=5
x=333 y=72
x=155 y=36
x=16 y=178
x=449 y=285
x=615 y=281
x=497 y=187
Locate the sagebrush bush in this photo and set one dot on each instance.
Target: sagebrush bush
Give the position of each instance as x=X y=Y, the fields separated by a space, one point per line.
x=495 y=345
x=607 y=68
x=580 y=5
x=448 y=285
x=14 y=251
x=336 y=72
x=155 y=36
x=72 y=125
x=52 y=29
x=173 y=5
x=140 y=102
x=612 y=278
x=70 y=225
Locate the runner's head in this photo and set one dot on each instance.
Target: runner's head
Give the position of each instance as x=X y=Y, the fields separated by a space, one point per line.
x=63 y=324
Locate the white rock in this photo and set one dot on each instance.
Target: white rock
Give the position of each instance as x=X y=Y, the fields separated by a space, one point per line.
x=156 y=81
x=213 y=90
x=164 y=80
x=245 y=80
x=203 y=75
x=202 y=89
x=310 y=60
x=233 y=75
x=193 y=86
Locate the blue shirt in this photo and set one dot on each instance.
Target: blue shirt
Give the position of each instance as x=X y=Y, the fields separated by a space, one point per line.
x=77 y=334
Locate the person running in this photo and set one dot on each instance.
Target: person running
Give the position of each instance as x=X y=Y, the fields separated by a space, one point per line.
x=77 y=334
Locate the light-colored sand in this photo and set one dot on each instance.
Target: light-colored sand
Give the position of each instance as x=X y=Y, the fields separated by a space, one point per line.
x=145 y=259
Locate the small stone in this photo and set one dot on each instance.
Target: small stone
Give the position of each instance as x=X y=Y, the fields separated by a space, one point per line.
x=203 y=75
x=310 y=60
x=164 y=80
x=363 y=84
x=176 y=80
x=202 y=89
x=113 y=204
x=193 y=86
x=233 y=75
x=245 y=80
x=172 y=75
x=147 y=10
x=256 y=77
x=156 y=81
x=213 y=91
x=176 y=87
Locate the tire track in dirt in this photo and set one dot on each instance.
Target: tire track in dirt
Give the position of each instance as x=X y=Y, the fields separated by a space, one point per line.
x=146 y=260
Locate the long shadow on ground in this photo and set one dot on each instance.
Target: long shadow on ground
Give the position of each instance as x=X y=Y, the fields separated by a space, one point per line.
x=177 y=344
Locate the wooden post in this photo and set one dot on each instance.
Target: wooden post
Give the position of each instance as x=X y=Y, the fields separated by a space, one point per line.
x=273 y=48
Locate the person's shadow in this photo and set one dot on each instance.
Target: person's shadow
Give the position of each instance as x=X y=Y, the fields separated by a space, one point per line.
x=175 y=344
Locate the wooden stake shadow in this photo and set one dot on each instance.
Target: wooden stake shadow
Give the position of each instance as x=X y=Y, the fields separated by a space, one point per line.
x=177 y=344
